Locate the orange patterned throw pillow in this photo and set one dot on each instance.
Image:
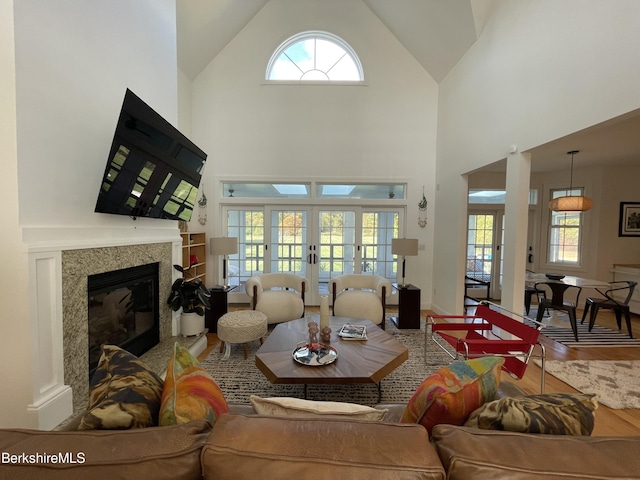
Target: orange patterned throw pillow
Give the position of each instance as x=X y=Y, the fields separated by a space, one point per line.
x=453 y=392
x=190 y=393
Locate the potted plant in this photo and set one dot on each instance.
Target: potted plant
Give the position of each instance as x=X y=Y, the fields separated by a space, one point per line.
x=192 y=296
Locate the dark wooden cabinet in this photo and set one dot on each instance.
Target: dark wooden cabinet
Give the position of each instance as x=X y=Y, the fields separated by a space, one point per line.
x=408 y=306
x=219 y=304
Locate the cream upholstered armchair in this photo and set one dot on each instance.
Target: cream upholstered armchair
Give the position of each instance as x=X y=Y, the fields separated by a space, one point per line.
x=360 y=296
x=280 y=296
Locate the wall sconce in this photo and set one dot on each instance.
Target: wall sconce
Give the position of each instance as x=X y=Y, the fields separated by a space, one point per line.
x=202 y=210
x=407 y=247
x=422 y=214
x=224 y=246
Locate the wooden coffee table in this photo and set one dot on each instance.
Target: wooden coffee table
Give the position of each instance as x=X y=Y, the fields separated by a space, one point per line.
x=359 y=361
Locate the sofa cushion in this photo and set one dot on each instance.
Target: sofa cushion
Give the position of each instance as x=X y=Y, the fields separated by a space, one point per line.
x=190 y=393
x=298 y=408
x=124 y=393
x=489 y=455
x=453 y=392
x=171 y=453
x=308 y=448
x=559 y=414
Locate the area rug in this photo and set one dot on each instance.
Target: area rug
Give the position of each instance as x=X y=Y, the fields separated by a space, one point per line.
x=559 y=330
x=616 y=382
x=239 y=378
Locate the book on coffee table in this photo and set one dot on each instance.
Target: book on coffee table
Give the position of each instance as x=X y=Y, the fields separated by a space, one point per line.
x=353 y=332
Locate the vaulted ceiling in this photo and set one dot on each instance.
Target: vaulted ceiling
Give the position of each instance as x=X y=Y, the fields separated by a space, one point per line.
x=436 y=32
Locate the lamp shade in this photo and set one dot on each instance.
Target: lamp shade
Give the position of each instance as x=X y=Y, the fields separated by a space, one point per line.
x=223 y=245
x=404 y=246
x=572 y=203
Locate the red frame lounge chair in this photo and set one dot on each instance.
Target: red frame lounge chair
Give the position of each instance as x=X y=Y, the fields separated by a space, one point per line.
x=489 y=332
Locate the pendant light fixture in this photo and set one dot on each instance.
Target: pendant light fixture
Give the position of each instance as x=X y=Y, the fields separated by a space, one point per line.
x=571 y=203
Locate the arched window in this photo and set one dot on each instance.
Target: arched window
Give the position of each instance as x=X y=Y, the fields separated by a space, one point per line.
x=315 y=56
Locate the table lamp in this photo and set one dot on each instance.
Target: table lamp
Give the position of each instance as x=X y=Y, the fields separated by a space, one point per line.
x=405 y=247
x=224 y=246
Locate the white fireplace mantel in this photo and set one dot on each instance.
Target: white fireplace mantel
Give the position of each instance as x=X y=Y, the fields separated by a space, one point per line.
x=59 y=342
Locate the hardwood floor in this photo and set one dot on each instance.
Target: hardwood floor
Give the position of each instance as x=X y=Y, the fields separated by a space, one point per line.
x=608 y=421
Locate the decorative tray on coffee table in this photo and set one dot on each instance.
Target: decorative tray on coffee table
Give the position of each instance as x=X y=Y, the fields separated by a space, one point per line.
x=315 y=354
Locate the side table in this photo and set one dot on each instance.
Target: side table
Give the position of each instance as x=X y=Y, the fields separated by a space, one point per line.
x=218 y=306
x=408 y=306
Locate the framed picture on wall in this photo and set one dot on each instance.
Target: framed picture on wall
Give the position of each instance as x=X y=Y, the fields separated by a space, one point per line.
x=629 y=225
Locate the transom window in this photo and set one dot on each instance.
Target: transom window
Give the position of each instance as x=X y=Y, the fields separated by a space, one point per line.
x=315 y=56
x=317 y=190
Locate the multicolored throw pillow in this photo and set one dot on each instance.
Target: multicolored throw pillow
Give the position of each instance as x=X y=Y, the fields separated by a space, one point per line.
x=190 y=393
x=556 y=414
x=453 y=392
x=124 y=393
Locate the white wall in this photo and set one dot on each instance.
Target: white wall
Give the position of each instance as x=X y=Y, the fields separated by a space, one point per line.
x=14 y=322
x=540 y=70
x=384 y=131
x=184 y=104
x=620 y=185
x=73 y=61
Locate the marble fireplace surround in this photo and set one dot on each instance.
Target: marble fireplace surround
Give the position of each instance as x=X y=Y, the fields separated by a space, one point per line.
x=77 y=265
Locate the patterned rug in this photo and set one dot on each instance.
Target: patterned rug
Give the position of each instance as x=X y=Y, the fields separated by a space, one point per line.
x=239 y=378
x=559 y=329
x=616 y=382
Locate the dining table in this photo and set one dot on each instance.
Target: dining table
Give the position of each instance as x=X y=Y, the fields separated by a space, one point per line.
x=532 y=278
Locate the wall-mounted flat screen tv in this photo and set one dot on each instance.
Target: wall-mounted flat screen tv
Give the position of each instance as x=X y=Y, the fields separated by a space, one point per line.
x=153 y=170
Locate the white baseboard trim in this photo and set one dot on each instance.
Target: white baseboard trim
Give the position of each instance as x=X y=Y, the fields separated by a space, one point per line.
x=199 y=346
x=53 y=410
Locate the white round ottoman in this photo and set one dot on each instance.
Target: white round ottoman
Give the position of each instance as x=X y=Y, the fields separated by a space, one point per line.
x=241 y=326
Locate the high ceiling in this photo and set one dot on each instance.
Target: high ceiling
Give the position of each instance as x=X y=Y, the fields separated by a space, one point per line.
x=437 y=33
x=612 y=143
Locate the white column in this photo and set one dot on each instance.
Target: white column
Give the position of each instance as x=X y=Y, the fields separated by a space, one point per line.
x=515 y=231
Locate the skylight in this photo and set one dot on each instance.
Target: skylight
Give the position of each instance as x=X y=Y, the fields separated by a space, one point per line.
x=330 y=190
x=291 y=189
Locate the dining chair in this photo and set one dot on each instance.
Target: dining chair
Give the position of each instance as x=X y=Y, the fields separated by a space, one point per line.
x=623 y=291
x=557 y=301
x=530 y=292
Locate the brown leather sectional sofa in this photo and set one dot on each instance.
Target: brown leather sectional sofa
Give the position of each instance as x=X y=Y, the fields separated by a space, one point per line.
x=241 y=446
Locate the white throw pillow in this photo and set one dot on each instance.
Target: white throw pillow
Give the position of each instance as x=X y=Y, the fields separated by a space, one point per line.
x=295 y=407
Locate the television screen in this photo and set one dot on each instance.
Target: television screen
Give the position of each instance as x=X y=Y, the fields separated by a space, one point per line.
x=153 y=170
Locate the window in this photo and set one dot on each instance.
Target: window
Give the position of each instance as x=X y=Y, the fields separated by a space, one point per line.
x=565 y=232
x=498 y=197
x=315 y=56
x=318 y=190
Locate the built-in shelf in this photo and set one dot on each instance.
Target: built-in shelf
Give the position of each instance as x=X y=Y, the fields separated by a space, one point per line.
x=194 y=253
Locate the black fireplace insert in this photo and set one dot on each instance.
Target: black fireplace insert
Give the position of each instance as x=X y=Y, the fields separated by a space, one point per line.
x=123 y=310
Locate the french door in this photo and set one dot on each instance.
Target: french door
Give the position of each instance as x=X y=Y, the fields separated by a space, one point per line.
x=313 y=241
x=485 y=247
x=485 y=240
